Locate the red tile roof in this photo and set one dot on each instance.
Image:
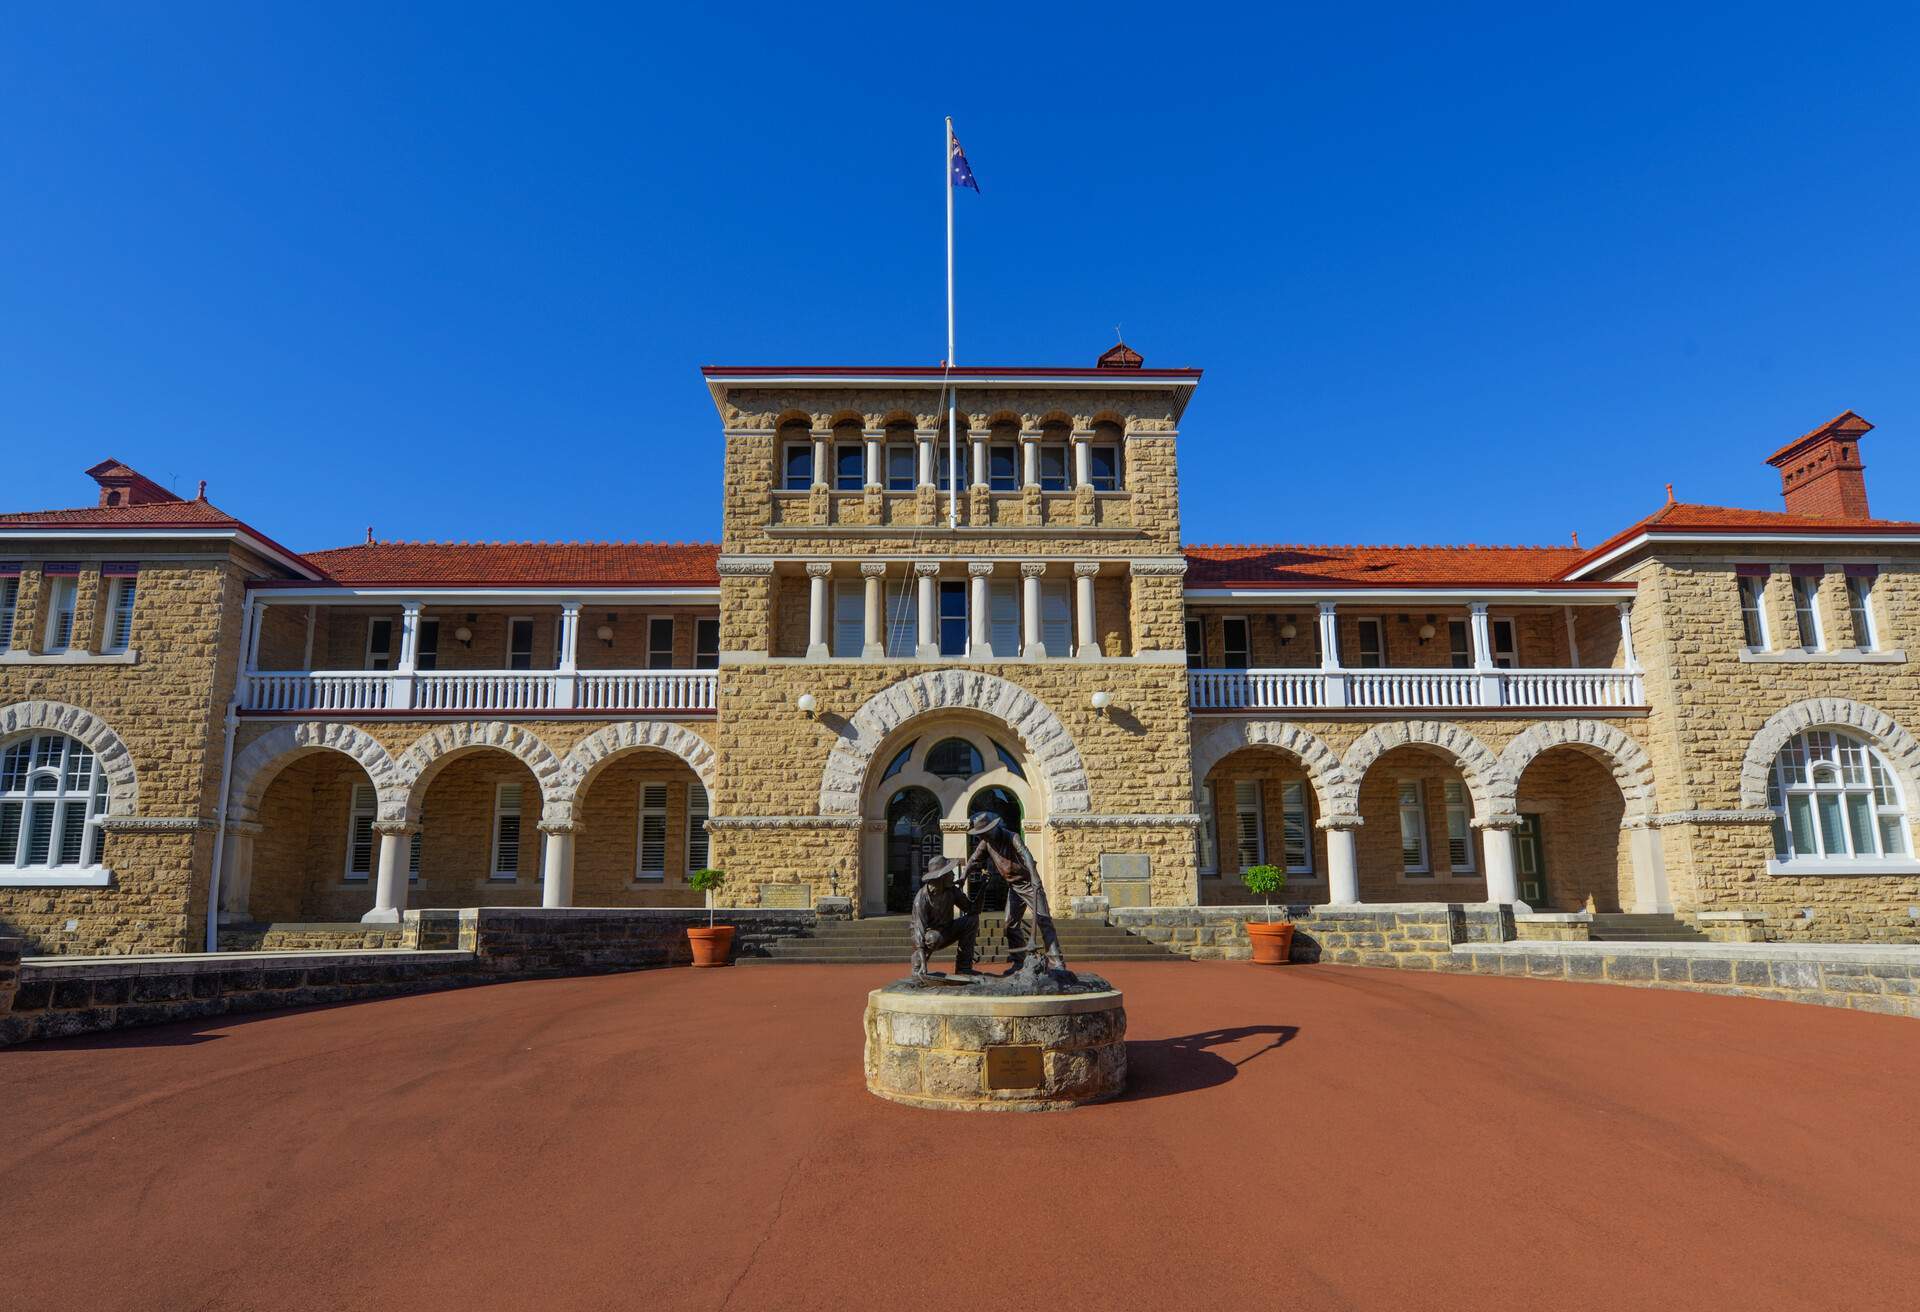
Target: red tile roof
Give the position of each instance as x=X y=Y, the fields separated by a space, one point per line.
x=479 y=564
x=1844 y=424
x=153 y=514
x=1309 y=567
x=1690 y=517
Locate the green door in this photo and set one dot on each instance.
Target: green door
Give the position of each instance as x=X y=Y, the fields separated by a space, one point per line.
x=1529 y=854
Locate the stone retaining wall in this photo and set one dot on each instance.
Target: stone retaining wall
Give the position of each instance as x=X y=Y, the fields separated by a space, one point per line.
x=328 y=936
x=1404 y=935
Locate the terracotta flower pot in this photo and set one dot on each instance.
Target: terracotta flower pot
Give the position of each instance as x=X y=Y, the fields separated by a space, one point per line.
x=1272 y=941
x=712 y=946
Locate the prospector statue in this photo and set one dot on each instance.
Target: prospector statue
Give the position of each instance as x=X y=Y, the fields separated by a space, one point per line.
x=935 y=924
x=1000 y=851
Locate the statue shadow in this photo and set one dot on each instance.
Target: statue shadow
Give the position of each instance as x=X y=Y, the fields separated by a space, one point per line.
x=1157 y=1068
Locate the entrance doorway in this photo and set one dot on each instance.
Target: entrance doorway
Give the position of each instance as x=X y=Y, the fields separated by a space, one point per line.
x=1001 y=802
x=1529 y=855
x=913 y=839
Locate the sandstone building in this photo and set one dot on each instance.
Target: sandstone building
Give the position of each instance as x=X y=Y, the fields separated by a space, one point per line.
x=1710 y=712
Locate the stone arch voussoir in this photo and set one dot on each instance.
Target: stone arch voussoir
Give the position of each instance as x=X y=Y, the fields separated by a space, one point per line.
x=1323 y=767
x=1625 y=759
x=433 y=750
x=1050 y=747
x=115 y=761
x=1486 y=780
x=262 y=760
x=1876 y=726
x=602 y=745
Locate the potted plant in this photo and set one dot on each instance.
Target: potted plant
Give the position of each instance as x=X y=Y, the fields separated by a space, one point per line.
x=1272 y=939
x=712 y=946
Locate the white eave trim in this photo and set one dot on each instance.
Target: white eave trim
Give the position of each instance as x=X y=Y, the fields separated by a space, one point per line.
x=80 y=532
x=1744 y=539
x=552 y=593
x=1592 y=595
x=959 y=378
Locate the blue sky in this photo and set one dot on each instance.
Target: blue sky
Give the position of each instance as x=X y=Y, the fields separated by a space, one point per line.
x=1492 y=275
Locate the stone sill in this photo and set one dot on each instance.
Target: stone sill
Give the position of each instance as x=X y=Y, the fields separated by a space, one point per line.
x=44 y=968
x=1825 y=869
x=1802 y=657
x=1816 y=953
x=90 y=877
x=69 y=658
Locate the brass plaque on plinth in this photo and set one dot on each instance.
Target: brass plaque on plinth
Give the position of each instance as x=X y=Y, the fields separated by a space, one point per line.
x=786 y=897
x=1015 y=1066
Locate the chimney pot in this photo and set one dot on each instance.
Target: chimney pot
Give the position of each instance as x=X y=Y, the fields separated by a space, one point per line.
x=1821 y=474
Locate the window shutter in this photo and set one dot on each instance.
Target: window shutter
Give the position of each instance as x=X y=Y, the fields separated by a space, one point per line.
x=1249 y=847
x=9 y=607
x=1003 y=614
x=1298 y=839
x=1413 y=829
x=849 y=618
x=1459 y=827
x=902 y=624
x=506 y=832
x=653 y=830
x=360 y=832
x=697 y=836
x=1056 y=617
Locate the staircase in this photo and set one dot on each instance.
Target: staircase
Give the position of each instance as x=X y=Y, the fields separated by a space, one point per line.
x=1627 y=927
x=882 y=940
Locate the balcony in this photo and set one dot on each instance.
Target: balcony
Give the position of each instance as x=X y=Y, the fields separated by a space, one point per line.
x=1296 y=690
x=483 y=692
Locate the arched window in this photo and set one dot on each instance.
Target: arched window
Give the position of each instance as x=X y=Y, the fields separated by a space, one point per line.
x=899 y=762
x=52 y=795
x=1834 y=798
x=954 y=758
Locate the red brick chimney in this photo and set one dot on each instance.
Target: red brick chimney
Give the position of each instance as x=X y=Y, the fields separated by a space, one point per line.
x=1821 y=473
x=121 y=486
x=1119 y=356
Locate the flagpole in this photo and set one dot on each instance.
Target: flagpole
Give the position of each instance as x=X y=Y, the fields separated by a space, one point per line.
x=953 y=426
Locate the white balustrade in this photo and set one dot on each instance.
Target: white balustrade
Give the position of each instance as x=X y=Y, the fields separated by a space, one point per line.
x=1572 y=689
x=312 y=690
x=1397 y=688
x=647 y=690
x=484 y=690
x=1256 y=690
x=490 y=691
x=1448 y=689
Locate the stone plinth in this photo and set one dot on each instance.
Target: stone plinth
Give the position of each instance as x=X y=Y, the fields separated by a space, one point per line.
x=947 y=1050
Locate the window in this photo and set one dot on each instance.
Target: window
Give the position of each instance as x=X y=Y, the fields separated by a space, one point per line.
x=362 y=808
x=1860 y=607
x=849 y=467
x=1373 y=643
x=1003 y=616
x=953 y=618
x=1056 y=617
x=1459 y=828
x=1003 y=467
x=954 y=758
x=1053 y=466
x=379 y=643
x=660 y=642
x=1753 y=611
x=520 y=643
x=1413 y=828
x=506 y=831
x=1249 y=831
x=118 y=636
x=1806 y=610
x=849 y=617
x=413 y=858
x=1459 y=645
x=653 y=832
x=9 y=608
x=1506 y=649
x=1834 y=798
x=706 y=644
x=52 y=795
x=1296 y=827
x=1208 y=856
x=697 y=855
x=902 y=621
x=901 y=475
x=1197 y=644
x=60 y=601
x=426 y=655
x=945 y=461
x=899 y=762
x=1235 y=651
x=799 y=467
x=1007 y=759
x=1104 y=462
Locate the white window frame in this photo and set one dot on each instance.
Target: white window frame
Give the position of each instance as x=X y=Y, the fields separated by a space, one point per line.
x=701 y=626
x=1505 y=657
x=1866 y=630
x=59 y=587
x=673 y=634
x=900 y=617
x=1362 y=626
x=1056 y=617
x=846 y=643
x=1003 y=618
x=497 y=872
x=858 y=450
x=363 y=808
x=1459 y=805
x=1249 y=799
x=645 y=813
x=9 y=609
x=513 y=622
x=426 y=644
x=1753 y=605
x=368 y=654
x=413 y=857
x=698 y=839
x=1011 y=483
x=116 y=633
x=23 y=801
x=786 y=465
x=1296 y=812
x=1226 y=642
x=1415 y=810
x=1063 y=452
x=893 y=452
x=1806 y=612
x=1207 y=837
x=1196 y=628
x=1119 y=480
x=1796 y=774
x=1460 y=644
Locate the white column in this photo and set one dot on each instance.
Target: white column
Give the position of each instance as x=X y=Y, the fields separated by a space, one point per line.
x=1083 y=459
x=822 y=446
x=1030 y=459
x=1343 y=866
x=876 y=474
x=1330 y=671
x=567 y=659
x=1030 y=571
x=306 y=652
x=236 y=875
x=923 y=442
x=980 y=636
x=875 y=574
x=250 y=635
x=926 y=574
x=1088 y=645
x=1492 y=688
x=390 y=879
x=1502 y=884
x=1630 y=661
x=979 y=457
x=402 y=683
x=1651 y=892
x=817 y=572
x=1573 y=640
x=556 y=868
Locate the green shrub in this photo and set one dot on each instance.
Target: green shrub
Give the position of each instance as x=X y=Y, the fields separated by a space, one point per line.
x=1265 y=881
x=706 y=881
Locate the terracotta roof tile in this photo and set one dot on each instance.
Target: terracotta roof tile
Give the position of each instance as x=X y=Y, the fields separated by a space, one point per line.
x=1307 y=567
x=155 y=514
x=640 y=564
x=1691 y=517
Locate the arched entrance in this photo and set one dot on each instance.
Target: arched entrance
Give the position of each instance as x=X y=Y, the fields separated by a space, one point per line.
x=926 y=779
x=1000 y=801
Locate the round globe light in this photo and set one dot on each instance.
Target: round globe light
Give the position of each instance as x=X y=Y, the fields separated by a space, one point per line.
x=806 y=703
x=1102 y=699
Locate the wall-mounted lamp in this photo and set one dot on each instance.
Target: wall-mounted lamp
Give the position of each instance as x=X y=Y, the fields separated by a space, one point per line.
x=464 y=635
x=1287 y=632
x=1427 y=631
x=605 y=633
x=806 y=703
x=1101 y=699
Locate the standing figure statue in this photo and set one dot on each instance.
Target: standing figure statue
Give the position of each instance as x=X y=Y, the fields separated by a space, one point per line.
x=935 y=925
x=1000 y=850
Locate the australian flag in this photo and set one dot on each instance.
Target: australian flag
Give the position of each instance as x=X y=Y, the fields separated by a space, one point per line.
x=962 y=172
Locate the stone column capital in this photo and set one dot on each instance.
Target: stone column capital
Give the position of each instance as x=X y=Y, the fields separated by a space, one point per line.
x=560 y=826
x=1085 y=569
x=873 y=569
x=1339 y=822
x=819 y=569
x=926 y=569
x=1032 y=569
x=980 y=569
x=397 y=828
x=1505 y=820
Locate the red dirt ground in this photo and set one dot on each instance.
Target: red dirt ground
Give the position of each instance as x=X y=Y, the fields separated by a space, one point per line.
x=1314 y=1136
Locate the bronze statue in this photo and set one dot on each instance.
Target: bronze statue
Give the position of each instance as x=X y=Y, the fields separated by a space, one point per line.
x=1001 y=852
x=935 y=925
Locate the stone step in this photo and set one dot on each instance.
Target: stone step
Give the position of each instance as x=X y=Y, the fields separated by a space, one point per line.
x=1642 y=927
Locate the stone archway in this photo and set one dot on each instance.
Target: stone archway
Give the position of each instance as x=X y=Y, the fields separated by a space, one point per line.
x=1876 y=726
x=111 y=754
x=263 y=759
x=435 y=748
x=1049 y=747
x=603 y=745
x=1625 y=759
x=1485 y=777
x=1324 y=771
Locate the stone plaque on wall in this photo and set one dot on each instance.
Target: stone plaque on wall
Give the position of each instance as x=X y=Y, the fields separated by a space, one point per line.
x=786 y=897
x=1126 y=878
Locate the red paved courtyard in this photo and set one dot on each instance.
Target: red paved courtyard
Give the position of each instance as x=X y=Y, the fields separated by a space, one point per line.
x=1310 y=1137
